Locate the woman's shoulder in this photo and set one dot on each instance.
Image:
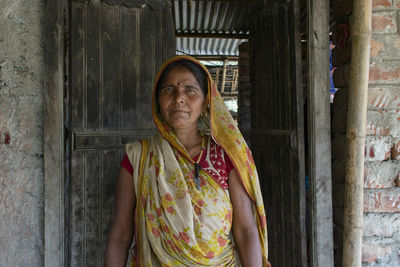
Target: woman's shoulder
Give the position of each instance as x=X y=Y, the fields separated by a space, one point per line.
x=136 y=146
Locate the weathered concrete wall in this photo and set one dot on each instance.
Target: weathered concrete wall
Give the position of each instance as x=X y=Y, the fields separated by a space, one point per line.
x=381 y=241
x=21 y=132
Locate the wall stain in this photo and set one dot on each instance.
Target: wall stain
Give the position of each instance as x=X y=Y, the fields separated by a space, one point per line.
x=7 y=138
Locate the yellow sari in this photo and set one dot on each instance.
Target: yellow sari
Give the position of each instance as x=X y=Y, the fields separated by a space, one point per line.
x=177 y=224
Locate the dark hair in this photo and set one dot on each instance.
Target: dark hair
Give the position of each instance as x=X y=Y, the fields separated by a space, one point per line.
x=196 y=70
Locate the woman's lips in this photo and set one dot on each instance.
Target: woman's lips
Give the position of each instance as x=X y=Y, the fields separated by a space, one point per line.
x=178 y=111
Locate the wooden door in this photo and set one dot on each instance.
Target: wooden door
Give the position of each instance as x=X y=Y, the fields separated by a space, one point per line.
x=277 y=127
x=115 y=49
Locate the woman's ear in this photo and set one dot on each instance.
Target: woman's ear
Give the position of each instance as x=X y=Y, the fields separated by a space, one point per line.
x=205 y=105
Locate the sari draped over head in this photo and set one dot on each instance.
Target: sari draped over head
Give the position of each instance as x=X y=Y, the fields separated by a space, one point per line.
x=177 y=224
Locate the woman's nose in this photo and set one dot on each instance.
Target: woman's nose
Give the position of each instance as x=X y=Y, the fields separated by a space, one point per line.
x=179 y=96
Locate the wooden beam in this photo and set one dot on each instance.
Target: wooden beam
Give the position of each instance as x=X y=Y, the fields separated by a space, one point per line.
x=212 y=35
x=319 y=133
x=244 y=1
x=216 y=57
x=355 y=132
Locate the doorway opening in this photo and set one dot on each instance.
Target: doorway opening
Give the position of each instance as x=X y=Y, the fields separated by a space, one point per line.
x=108 y=83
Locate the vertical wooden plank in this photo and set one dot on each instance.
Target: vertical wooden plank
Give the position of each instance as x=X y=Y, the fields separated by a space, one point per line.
x=93 y=209
x=158 y=46
x=77 y=210
x=93 y=68
x=111 y=67
x=319 y=132
x=147 y=66
x=54 y=236
x=129 y=61
x=110 y=165
x=169 y=33
x=77 y=65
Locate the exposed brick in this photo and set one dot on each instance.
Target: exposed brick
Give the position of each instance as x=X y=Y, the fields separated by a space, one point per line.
x=377 y=148
x=381 y=225
x=385 y=46
x=341 y=76
x=383 y=122
x=382 y=200
x=381 y=174
x=395 y=150
x=380 y=4
x=372 y=252
x=341 y=56
x=384 y=72
x=376 y=47
x=383 y=97
x=384 y=22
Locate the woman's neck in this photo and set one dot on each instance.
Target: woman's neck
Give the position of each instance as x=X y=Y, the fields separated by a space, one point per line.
x=190 y=138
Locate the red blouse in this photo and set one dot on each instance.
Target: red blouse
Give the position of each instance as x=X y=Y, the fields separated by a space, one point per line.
x=218 y=158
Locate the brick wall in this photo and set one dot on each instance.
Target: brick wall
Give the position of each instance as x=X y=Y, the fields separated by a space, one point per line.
x=21 y=133
x=381 y=240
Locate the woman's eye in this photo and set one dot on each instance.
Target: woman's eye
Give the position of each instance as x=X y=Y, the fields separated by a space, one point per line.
x=167 y=89
x=190 y=90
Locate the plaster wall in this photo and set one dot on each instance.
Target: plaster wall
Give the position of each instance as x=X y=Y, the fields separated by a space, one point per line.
x=21 y=132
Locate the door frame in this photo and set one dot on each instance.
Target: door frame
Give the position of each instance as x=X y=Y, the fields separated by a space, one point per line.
x=55 y=236
x=319 y=133
x=54 y=134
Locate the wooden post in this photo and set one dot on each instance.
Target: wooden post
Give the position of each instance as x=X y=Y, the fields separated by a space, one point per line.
x=234 y=80
x=223 y=77
x=319 y=134
x=217 y=77
x=355 y=132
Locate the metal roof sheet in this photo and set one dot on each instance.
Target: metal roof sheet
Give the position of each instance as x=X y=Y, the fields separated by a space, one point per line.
x=211 y=17
x=199 y=26
x=208 y=46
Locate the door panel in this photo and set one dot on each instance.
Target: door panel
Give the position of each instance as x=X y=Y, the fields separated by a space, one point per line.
x=115 y=49
x=277 y=133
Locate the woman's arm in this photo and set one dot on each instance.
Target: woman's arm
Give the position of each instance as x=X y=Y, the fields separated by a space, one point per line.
x=244 y=227
x=120 y=237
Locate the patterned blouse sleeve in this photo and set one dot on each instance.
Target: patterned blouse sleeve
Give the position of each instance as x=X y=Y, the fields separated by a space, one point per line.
x=127 y=164
x=228 y=162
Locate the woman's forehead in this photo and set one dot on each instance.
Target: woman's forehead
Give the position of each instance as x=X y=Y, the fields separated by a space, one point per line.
x=180 y=72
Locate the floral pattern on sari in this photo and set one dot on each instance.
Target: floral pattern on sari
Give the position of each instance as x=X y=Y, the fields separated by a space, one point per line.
x=176 y=224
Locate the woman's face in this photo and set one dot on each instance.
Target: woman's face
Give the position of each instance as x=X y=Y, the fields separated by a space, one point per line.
x=181 y=99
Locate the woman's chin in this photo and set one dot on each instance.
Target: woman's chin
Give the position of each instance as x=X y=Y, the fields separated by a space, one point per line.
x=181 y=124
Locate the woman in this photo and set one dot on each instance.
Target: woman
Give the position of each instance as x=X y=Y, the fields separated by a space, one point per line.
x=178 y=193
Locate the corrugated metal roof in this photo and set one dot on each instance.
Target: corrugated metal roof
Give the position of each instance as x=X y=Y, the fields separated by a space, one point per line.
x=200 y=25
x=208 y=46
x=211 y=17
